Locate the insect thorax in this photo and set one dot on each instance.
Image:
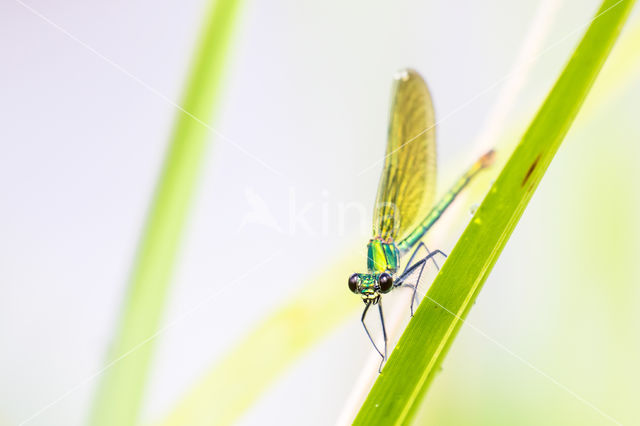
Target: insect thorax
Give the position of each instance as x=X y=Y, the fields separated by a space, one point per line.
x=382 y=256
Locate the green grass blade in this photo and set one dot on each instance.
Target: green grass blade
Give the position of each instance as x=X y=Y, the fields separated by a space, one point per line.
x=120 y=392
x=418 y=355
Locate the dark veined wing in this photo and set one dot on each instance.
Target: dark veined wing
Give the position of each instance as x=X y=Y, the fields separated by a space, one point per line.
x=407 y=186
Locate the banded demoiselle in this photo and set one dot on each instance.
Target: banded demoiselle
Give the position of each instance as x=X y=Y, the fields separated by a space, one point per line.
x=404 y=211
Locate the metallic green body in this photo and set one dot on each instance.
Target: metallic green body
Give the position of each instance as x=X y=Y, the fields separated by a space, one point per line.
x=382 y=256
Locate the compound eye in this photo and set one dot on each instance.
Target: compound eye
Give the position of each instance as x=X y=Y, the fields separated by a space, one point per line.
x=386 y=282
x=354 y=280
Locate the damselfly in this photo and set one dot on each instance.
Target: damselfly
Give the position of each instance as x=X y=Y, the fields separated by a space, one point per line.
x=404 y=211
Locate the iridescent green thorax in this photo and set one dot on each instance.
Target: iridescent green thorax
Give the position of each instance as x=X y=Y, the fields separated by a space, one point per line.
x=382 y=256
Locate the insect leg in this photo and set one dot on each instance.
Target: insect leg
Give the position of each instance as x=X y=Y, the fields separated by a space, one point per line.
x=412 y=287
x=364 y=314
x=409 y=269
x=415 y=252
x=418 y=265
x=384 y=334
x=415 y=288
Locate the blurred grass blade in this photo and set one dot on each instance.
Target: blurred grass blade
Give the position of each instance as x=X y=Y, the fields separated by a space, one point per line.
x=418 y=355
x=120 y=392
x=238 y=379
